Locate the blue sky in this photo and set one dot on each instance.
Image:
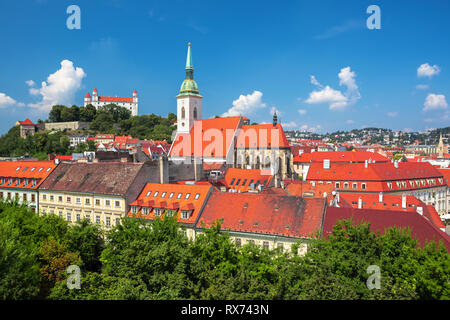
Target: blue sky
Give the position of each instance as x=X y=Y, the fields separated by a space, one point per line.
x=315 y=62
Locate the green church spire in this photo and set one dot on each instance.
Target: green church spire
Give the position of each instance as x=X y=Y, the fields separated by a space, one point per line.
x=189 y=86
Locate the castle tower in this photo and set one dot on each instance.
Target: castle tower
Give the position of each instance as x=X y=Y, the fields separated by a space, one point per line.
x=87 y=99
x=189 y=101
x=95 y=95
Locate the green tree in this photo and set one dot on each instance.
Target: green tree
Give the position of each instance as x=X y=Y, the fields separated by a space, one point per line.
x=87 y=113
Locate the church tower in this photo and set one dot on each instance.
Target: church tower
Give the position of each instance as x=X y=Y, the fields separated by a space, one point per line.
x=189 y=101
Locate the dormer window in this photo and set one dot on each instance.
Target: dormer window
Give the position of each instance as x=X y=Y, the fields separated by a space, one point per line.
x=197 y=196
x=185 y=214
x=187 y=196
x=163 y=194
x=171 y=195
x=148 y=194
x=18 y=168
x=17 y=181
x=179 y=195
x=158 y=212
x=133 y=209
x=155 y=194
x=40 y=169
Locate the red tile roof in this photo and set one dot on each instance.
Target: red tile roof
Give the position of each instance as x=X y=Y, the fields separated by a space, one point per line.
x=391 y=202
x=240 y=179
x=446 y=174
x=30 y=170
x=104 y=136
x=264 y=213
x=115 y=99
x=301 y=189
x=197 y=196
x=377 y=175
x=262 y=136
x=340 y=156
x=207 y=138
x=27 y=122
x=421 y=229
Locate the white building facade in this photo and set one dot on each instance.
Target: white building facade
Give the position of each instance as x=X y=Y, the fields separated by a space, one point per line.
x=130 y=103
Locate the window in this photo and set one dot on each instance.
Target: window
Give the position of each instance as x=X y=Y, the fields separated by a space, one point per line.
x=108 y=221
x=97 y=219
x=32 y=169
x=78 y=200
x=87 y=216
x=179 y=195
x=32 y=198
x=163 y=194
x=145 y=210
x=9 y=195
x=34 y=182
x=238 y=242
x=25 y=183
x=117 y=203
x=155 y=194
x=68 y=199
x=345 y=185
x=148 y=193
x=97 y=202
x=355 y=185
x=363 y=186
x=280 y=246
x=69 y=216
x=117 y=221
x=238 y=181
x=78 y=217
x=44 y=197
x=266 y=244
x=243 y=182
x=197 y=196
x=87 y=201
x=17 y=181
x=107 y=203
x=133 y=209
x=157 y=212
x=232 y=181
x=338 y=185
x=171 y=195
x=185 y=214
x=187 y=196
x=24 y=197
x=52 y=198
x=170 y=212
x=250 y=183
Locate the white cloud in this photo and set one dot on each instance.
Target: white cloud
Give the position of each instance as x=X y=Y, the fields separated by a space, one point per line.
x=392 y=114
x=245 y=105
x=305 y=127
x=422 y=86
x=30 y=83
x=435 y=101
x=302 y=111
x=290 y=124
x=425 y=70
x=328 y=95
x=335 y=98
x=315 y=82
x=7 y=101
x=60 y=87
x=350 y=121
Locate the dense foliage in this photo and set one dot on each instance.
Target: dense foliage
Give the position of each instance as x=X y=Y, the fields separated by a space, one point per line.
x=143 y=260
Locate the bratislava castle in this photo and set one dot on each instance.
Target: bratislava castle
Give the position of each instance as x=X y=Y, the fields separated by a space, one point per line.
x=131 y=103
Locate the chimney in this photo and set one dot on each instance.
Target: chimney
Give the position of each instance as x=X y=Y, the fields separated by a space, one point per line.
x=366 y=164
x=163 y=169
x=359 y=203
x=396 y=164
x=404 y=201
x=380 y=197
x=420 y=210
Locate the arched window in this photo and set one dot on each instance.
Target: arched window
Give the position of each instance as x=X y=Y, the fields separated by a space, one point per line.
x=183 y=113
x=195 y=113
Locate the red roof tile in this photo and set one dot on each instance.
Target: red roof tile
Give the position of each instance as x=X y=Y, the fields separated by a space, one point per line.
x=240 y=179
x=27 y=122
x=340 y=156
x=207 y=138
x=38 y=170
x=115 y=99
x=421 y=228
x=172 y=196
x=262 y=136
x=264 y=213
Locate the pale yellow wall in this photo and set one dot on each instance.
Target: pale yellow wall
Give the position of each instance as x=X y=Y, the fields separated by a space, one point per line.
x=78 y=205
